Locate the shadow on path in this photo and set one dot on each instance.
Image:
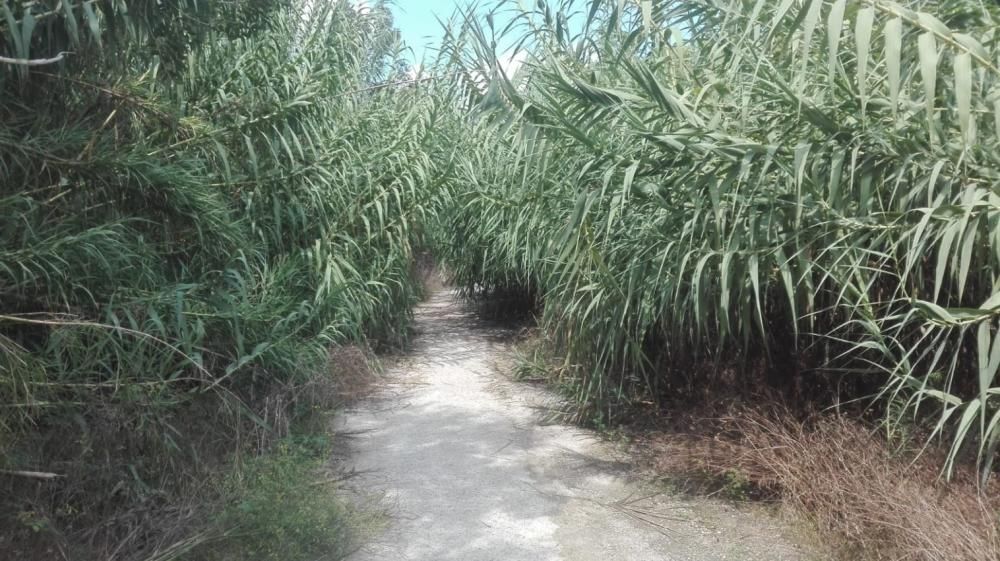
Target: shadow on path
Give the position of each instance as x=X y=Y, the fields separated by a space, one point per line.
x=457 y=455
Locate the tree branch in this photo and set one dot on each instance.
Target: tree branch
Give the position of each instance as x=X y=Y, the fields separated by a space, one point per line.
x=31 y=474
x=34 y=61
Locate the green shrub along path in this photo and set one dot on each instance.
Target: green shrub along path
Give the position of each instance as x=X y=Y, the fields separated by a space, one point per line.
x=199 y=199
x=711 y=196
x=205 y=202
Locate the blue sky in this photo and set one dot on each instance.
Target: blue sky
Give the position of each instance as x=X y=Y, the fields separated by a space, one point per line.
x=417 y=22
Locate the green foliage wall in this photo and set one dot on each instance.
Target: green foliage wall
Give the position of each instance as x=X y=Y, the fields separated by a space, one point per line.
x=748 y=195
x=198 y=198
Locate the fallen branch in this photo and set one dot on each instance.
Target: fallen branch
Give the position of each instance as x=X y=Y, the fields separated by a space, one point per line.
x=32 y=474
x=34 y=61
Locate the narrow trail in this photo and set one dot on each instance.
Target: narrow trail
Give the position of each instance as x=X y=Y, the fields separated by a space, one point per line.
x=458 y=455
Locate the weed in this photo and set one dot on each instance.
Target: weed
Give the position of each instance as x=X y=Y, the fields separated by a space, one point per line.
x=283 y=508
x=736 y=485
x=869 y=503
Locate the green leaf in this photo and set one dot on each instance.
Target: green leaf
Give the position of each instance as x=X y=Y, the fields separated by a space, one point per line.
x=252 y=154
x=972 y=409
x=14 y=36
x=952 y=317
x=27 y=28
x=988 y=448
x=973 y=46
x=934 y=312
x=595 y=6
x=863 y=37
x=963 y=97
x=779 y=15
x=944 y=254
x=834 y=30
x=893 y=47
x=992 y=303
x=968 y=242
x=224 y=156
x=812 y=19
x=988 y=351
x=996 y=115
x=932 y=23
x=927 y=47
x=72 y=29
x=92 y=22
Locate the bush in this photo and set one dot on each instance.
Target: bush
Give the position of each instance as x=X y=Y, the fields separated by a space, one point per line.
x=796 y=197
x=199 y=199
x=283 y=508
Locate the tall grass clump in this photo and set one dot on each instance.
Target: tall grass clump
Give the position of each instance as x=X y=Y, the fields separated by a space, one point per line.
x=199 y=198
x=713 y=196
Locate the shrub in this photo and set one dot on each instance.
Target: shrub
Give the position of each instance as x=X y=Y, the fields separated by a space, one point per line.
x=716 y=196
x=282 y=508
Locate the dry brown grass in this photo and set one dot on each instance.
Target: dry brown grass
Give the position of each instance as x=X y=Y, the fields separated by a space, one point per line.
x=353 y=370
x=868 y=502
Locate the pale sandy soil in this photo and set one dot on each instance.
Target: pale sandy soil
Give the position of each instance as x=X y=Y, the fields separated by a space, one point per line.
x=456 y=454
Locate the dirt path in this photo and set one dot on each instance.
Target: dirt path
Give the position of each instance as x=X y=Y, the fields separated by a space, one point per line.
x=458 y=455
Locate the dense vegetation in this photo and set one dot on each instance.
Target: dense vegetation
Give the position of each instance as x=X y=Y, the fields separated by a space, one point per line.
x=705 y=197
x=198 y=200
x=714 y=196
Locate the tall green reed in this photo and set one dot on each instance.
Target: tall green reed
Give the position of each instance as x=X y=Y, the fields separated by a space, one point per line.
x=717 y=195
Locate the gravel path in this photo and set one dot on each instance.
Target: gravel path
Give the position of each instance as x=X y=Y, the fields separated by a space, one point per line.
x=457 y=454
